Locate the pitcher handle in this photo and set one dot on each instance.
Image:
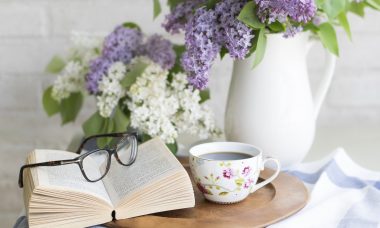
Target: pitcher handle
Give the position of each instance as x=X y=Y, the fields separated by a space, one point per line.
x=271 y=178
x=325 y=82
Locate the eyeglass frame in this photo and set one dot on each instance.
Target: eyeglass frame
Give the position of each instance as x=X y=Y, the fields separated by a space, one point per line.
x=79 y=160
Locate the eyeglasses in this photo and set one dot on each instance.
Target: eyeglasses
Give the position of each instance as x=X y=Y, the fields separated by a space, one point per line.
x=123 y=146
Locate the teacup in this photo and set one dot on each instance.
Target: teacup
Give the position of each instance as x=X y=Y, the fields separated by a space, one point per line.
x=227 y=172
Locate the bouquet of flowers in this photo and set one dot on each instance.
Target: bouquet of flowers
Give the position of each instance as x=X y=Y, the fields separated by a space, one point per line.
x=137 y=83
x=239 y=27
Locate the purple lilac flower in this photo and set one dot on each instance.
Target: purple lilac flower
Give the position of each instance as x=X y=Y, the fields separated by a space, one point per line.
x=98 y=68
x=201 y=47
x=232 y=33
x=159 y=50
x=122 y=44
x=176 y=20
x=320 y=19
x=297 y=10
x=302 y=10
x=292 y=30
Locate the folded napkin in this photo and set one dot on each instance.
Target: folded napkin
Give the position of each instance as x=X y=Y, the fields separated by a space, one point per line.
x=342 y=194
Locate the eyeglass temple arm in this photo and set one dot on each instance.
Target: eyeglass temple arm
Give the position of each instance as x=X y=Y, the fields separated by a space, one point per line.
x=49 y=163
x=103 y=135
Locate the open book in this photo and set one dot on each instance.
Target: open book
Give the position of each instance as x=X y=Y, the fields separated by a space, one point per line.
x=59 y=196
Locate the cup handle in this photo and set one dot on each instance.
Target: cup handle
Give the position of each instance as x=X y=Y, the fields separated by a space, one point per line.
x=270 y=179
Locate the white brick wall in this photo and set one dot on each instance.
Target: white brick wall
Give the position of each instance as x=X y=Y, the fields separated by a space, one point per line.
x=23 y=19
x=32 y=31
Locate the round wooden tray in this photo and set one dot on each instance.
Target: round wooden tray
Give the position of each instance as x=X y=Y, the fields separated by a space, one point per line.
x=283 y=197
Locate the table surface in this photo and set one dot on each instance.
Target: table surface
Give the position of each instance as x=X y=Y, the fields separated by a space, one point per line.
x=283 y=197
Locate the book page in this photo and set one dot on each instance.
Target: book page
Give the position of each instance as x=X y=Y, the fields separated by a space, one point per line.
x=153 y=160
x=68 y=176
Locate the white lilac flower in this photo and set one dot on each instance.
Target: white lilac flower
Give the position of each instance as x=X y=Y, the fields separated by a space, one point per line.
x=195 y=118
x=151 y=106
x=85 y=47
x=110 y=89
x=85 y=40
x=106 y=105
x=117 y=71
x=72 y=77
x=69 y=81
x=124 y=44
x=160 y=108
x=179 y=82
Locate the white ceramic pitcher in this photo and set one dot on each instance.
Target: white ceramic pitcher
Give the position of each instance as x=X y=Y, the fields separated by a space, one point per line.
x=271 y=105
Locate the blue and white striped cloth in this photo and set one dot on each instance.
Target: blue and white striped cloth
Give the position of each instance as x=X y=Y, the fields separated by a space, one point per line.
x=342 y=194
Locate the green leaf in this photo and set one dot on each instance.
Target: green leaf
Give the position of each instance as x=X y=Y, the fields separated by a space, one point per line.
x=131 y=25
x=260 y=49
x=51 y=106
x=145 y=137
x=252 y=49
x=156 y=8
x=133 y=73
x=249 y=17
x=223 y=193
x=211 y=4
x=223 y=52
x=342 y=18
x=121 y=121
x=55 y=65
x=173 y=147
x=311 y=27
x=173 y=3
x=179 y=50
x=239 y=181
x=333 y=7
x=319 y=3
x=375 y=4
x=328 y=37
x=70 y=107
x=276 y=27
x=93 y=125
x=205 y=95
x=108 y=127
x=357 y=8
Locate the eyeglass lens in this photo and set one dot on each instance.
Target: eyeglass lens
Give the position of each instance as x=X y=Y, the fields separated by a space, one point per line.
x=94 y=164
x=126 y=149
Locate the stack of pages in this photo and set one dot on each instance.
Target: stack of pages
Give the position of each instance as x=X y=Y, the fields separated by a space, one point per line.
x=59 y=196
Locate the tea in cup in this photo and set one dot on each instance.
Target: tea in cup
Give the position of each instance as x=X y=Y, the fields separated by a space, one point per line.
x=227 y=172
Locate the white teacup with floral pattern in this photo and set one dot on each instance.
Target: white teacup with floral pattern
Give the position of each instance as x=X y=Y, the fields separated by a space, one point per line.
x=228 y=181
